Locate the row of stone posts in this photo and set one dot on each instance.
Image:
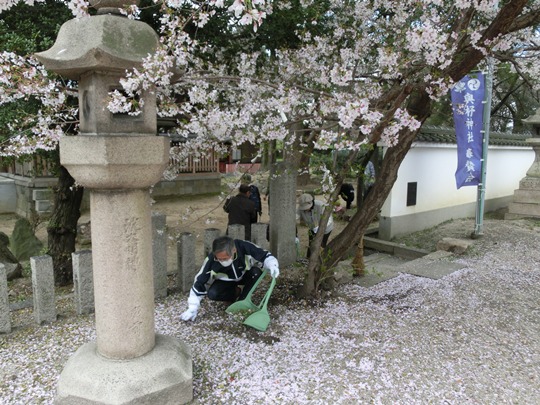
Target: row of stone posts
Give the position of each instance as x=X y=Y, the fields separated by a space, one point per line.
x=83 y=280
x=91 y=377
x=5 y=319
x=42 y=291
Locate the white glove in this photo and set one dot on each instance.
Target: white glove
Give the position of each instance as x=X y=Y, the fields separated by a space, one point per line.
x=274 y=270
x=190 y=314
x=315 y=229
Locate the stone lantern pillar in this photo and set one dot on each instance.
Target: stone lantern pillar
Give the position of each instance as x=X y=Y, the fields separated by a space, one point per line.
x=526 y=201
x=117 y=157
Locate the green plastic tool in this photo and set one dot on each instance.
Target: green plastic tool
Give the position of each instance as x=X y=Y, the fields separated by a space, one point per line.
x=260 y=319
x=246 y=304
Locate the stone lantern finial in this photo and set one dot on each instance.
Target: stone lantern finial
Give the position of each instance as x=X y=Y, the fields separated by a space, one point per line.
x=111 y=6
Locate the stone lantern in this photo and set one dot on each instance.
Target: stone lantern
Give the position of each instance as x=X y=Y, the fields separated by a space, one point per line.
x=526 y=202
x=117 y=157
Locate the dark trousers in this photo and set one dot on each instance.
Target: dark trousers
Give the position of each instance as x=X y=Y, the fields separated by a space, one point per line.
x=221 y=290
x=312 y=236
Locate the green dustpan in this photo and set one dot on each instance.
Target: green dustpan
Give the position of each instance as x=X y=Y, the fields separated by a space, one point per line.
x=246 y=304
x=259 y=320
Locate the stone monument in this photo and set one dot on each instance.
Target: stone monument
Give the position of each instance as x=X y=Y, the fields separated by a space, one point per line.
x=117 y=157
x=283 y=213
x=526 y=202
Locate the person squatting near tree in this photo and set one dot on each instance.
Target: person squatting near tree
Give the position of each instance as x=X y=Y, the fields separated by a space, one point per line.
x=241 y=210
x=310 y=212
x=346 y=192
x=254 y=193
x=231 y=265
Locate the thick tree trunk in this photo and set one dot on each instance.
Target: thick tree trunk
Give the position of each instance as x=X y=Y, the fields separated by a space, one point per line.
x=300 y=155
x=354 y=231
x=62 y=227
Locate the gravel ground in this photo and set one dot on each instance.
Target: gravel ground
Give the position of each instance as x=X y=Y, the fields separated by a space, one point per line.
x=472 y=337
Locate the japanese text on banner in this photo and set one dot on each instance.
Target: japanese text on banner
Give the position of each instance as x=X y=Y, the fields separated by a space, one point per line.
x=467 y=96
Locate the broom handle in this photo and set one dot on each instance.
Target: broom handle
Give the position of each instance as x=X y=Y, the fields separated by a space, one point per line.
x=268 y=294
x=248 y=296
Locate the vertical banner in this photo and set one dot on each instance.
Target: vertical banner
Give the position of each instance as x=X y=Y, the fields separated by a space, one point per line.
x=467 y=97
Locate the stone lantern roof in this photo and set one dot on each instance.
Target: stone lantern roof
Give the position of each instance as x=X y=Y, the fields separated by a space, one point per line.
x=105 y=42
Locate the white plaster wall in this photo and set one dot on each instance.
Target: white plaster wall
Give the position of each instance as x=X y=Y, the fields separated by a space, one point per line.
x=433 y=167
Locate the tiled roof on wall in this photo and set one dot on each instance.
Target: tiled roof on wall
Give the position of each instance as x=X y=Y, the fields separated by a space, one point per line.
x=448 y=135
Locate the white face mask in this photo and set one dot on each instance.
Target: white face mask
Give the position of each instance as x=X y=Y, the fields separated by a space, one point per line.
x=226 y=263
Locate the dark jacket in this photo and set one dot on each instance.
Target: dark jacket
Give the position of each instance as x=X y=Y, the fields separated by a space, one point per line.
x=241 y=211
x=347 y=189
x=255 y=196
x=247 y=255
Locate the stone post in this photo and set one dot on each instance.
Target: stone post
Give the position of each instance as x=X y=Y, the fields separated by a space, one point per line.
x=283 y=213
x=209 y=235
x=5 y=315
x=258 y=235
x=187 y=268
x=83 y=281
x=526 y=202
x=159 y=254
x=43 y=288
x=236 y=231
x=118 y=157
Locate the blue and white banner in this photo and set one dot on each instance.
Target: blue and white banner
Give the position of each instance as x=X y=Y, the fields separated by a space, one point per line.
x=467 y=96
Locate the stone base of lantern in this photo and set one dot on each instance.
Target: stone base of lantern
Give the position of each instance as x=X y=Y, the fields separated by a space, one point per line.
x=526 y=202
x=162 y=376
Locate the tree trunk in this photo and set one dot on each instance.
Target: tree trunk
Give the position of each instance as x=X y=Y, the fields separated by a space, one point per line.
x=300 y=155
x=386 y=177
x=62 y=227
x=358 y=262
x=304 y=175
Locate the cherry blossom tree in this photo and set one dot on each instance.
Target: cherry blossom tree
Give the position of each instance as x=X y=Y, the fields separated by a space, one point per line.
x=366 y=72
x=359 y=73
x=39 y=107
x=35 y=110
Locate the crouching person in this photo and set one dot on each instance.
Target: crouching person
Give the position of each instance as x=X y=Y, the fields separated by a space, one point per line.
x=228 y=273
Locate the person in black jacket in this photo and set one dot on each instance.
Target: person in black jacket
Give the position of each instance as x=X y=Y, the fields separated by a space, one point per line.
x=232 y=264
x=241 y=210
x=347 y=193
x=254 y=193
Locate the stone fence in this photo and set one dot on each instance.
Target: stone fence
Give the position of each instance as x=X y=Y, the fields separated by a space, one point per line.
x=44 y=300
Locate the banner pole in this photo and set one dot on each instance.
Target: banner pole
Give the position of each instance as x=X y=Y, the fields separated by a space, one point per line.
x=481 y=190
